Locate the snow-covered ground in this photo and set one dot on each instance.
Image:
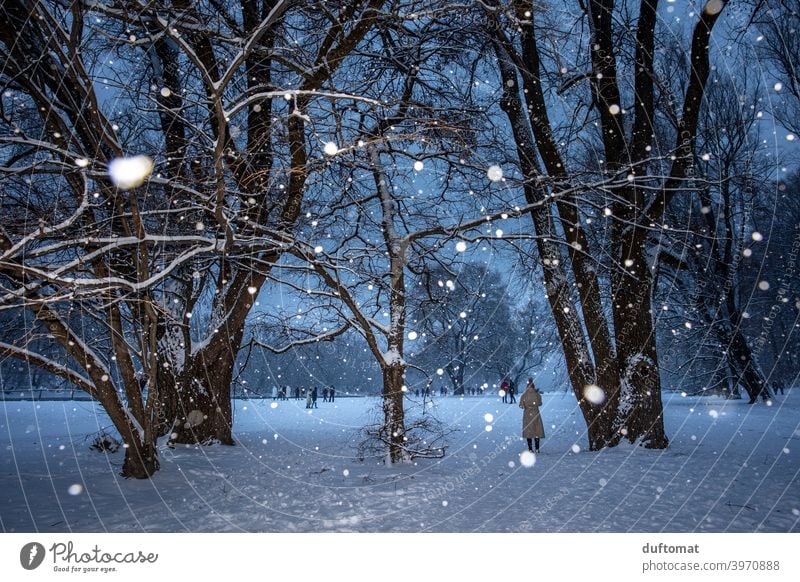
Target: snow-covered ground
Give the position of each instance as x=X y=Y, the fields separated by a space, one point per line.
x=730 y=467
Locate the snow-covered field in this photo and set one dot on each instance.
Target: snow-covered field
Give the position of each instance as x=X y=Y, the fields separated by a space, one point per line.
x=730 y=467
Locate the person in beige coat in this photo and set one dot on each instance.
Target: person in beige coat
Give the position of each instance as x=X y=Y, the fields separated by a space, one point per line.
x=532 y=427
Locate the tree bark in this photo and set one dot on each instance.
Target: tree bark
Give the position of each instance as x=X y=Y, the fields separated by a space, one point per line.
x=455 y=371
x=202 y=409
x=393 y=412
x=141 y=460
x=640 y=414
x=748 y=374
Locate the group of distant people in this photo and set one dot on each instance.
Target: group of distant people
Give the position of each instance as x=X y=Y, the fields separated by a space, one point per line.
x=427 y=392
x=310 y=394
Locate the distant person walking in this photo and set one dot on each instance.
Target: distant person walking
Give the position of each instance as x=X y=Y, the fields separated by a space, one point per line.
x=511 y=391
x=778 y=386
x=332 y=393
x=325 y=394
x=309 y=400
x=504 y=391
x=297 y=393
x=314 y=397
x=532 y=426
x=274 y=392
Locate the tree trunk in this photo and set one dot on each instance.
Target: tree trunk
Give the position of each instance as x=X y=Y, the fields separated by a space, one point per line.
x=141 y=460
x=579 y=365
x=202 y=403
x=202 y=400
x=739 y=360
x=739 y=354
x=393 y=413
x=733 y=386
x=456 y=375
x=748 y=374
x=640 y=414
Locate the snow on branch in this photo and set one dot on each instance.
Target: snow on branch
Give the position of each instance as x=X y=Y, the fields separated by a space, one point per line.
x=322 y=337
x=261 y=95
x=91 y=284
x=45 y=231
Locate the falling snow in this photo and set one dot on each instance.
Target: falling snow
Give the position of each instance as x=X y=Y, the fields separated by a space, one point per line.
x=594 y=394
x=128 y=173
x=495 y=173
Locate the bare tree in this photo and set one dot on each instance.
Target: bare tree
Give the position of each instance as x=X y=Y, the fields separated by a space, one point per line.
x=164 y=262
x=722 y=215
x=625 y=367
x=472 y=324
x=779 y=46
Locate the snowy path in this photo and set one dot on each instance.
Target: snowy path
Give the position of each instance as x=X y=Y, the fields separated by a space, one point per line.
x=730 y=467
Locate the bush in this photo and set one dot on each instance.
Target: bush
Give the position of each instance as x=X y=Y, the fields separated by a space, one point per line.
x=105 y=443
